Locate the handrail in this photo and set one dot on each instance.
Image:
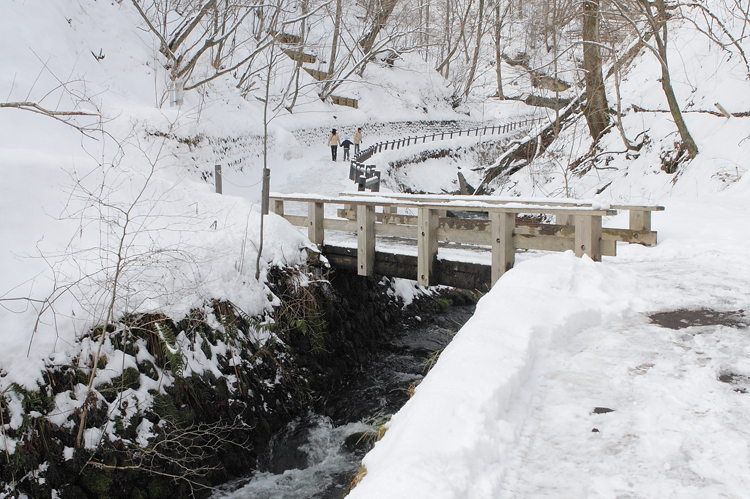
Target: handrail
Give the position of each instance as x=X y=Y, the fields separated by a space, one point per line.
x=373 y=183
x=367 y=153
x=582 y=232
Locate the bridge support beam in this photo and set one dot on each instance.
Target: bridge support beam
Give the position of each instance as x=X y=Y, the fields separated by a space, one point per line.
x=503 y=250
x=427 y=246
x=315 y=222
x=588 y=236
x=365 y=240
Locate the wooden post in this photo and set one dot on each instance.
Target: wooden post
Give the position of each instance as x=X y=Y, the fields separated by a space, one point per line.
x=563 y=220
x=315 y=222
x=278 y=207
x=217 y=178
x=503 y=251
x=640 y=220
x=365 y=240
x=588 y=236
x=427 y=246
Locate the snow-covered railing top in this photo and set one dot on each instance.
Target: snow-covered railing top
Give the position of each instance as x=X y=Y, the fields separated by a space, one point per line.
x=578 y=226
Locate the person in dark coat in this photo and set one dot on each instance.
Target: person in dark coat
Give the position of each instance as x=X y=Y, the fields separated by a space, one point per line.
x=346 y=144
x=334 y=141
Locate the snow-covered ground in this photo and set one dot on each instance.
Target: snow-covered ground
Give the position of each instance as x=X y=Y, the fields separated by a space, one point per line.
x=509 y=409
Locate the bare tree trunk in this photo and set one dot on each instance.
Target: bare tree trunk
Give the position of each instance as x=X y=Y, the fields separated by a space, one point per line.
x=659 y=27
x=499 y=20
x=298 y=66
x=334 y=48
x=596 y=98
x=379 y=21
x=447 y=44
x=475 y=57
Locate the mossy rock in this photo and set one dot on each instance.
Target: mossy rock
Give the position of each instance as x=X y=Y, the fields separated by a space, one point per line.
x=96 y=483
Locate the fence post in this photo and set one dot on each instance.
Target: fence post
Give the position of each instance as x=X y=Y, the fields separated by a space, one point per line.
x=217 y=178
x=640 y=220
x=376 y=186
x=278 y=207
x=503 y=250
x=588 y=236
x=315 y=222
x=365 y=240
x=427 y=246
x=563 y=220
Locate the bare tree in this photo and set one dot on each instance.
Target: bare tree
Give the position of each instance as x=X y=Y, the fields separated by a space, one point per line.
x=656 y=14
x=595 y=109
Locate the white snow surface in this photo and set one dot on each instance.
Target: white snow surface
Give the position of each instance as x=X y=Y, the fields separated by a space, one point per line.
x=508 y=410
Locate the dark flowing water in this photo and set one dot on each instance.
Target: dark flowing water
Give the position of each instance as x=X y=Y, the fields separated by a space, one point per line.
x=312 y=458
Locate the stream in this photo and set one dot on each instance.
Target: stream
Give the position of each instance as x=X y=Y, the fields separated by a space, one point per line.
x=312 y=457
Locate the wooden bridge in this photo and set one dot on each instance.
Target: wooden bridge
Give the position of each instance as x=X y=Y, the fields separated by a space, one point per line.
x=577 y=227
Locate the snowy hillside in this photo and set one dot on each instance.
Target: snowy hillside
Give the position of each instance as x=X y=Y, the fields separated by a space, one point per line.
x=108 y=209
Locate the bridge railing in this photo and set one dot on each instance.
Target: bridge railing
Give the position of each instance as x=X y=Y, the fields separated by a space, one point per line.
x=366 y=176
x=371 y=182
x=582 y=231
x=639 y=215
x=369 y=152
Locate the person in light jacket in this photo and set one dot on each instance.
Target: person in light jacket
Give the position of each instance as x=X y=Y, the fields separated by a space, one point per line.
x=357 y=140
x=346 y=144
x=334 y=142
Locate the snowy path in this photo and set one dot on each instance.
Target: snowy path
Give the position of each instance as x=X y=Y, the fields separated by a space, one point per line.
x=676 y=429
x=509 y=409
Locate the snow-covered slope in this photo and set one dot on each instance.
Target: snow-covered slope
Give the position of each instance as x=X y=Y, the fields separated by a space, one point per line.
x=116 y=218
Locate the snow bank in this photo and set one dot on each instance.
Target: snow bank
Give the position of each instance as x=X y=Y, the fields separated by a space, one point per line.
x=448 y=439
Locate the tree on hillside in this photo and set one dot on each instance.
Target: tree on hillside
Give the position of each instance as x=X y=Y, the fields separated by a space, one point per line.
x=656 y=14
x=595 y=109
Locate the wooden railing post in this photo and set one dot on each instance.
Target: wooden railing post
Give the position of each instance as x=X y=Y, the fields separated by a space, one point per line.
x=503 y=251
x=563 y=220
x=365 y=240
x=588 y=236
x=427 y=246
x=640 y=220
x=278 y=207
x=217 y=178
x=315 y=232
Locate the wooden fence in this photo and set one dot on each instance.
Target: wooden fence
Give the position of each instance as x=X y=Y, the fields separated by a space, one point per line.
x=578 y=227
x=369 y=152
